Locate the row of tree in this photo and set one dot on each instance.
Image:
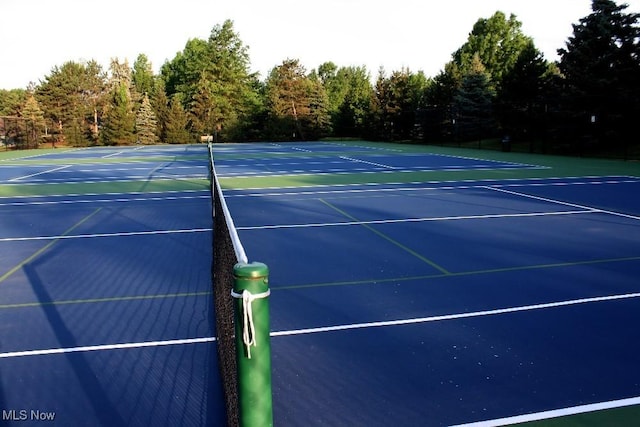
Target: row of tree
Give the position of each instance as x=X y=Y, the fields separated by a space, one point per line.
x=497 y=83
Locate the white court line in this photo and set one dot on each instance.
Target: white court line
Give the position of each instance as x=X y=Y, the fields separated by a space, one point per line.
x=458 y=316
x=39 y=173
x=114 y=200
x=103 y=180
x=560 y=202
x=351 y=159
x=72 y=180
x=431 y=185
x=136 y=193
x=308 y=331
x=122 y=346
x=424 y=186
x=90 y=236
x=575 y=410
x=402 y=170
x=405 y=220
x=120 y=152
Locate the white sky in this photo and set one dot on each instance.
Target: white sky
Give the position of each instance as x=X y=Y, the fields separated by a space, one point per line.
x=37 y=35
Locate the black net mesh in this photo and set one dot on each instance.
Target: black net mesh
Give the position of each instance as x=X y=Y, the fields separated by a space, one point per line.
x=224 y=259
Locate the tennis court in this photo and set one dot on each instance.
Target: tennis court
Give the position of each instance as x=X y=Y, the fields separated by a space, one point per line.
x=419 y=288
x=409 y=285
x=105 y=288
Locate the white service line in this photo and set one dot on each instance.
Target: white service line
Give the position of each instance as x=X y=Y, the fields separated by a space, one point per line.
x=560 y=202
x=427 y=219
x=46 y=352
x=39 y=173
x=351 y=159
x=90 y=236
x=115 y=200
x=458 y=316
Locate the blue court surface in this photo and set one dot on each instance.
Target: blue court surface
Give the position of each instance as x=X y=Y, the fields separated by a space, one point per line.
x=405 y=301
x=105 y=298
x=440 y=303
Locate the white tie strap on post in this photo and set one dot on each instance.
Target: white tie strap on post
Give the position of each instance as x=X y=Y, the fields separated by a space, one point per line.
x=248 y=327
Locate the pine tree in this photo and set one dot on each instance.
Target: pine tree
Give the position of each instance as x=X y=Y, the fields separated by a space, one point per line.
x=473 y=102
x=34 y=120
x=146 y=123
x=119 y=122
x=177 y=122
x=160 y=104
x=601 y=65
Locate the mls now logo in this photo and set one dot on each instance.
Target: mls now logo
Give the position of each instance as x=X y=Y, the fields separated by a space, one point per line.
x=27 y=415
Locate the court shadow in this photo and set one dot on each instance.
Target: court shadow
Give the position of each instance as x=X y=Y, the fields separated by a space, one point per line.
x=106 y=413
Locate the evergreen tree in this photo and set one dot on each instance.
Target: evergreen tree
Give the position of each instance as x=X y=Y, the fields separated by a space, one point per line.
x=119 y=122
x=318 y=122
x=160 y=104
x=146 y=123
x=177 y=123
x=223 y=62
x=438 y=116
x=33 y=120
x=473 y=102
x=601 y=65
x=11 y=100
x=521 y=100
x=142 y=77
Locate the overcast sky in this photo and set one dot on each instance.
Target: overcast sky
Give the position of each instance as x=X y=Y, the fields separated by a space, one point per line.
x=37 y=35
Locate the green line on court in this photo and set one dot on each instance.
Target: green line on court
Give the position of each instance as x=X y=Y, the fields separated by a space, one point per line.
x=139 y=186
x=458 y=274
x=387 y=238
x=108 y=299
x=9 y=273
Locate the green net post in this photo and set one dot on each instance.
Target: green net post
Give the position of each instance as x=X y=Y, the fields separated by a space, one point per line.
x=253 y=344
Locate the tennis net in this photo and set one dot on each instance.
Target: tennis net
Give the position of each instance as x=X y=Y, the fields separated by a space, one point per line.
x=227 y=252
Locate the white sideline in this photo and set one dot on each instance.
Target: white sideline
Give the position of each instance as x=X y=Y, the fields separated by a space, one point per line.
x=556 y=413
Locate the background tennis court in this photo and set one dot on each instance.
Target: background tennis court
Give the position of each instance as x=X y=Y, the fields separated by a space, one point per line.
x=413 y=286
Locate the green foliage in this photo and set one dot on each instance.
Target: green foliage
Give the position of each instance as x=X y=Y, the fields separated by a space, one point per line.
x=142 y=76
x=349 y=94
x=71 y=97
x=296 y=104
x=213 y=77
x=395 y=102
x=497 y=41
x=497 y=81
x=11 y=100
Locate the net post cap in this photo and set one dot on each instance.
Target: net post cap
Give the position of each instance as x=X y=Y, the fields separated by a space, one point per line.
x=253 y=270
